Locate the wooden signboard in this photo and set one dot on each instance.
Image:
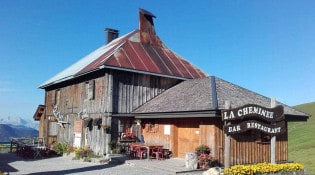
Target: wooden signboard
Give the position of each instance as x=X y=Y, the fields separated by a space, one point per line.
x=244 y=126
x=251 y=116
x=251 y=111
x=78 y=126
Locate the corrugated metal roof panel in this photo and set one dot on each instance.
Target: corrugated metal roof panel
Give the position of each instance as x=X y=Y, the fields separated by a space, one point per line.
x=145 y=58
x=157 y=60
x=140 y=50
x=72 y=70
x=179 y=64
x=136 y=60
x=168 y=61
x=104 y=57
x=122 y=58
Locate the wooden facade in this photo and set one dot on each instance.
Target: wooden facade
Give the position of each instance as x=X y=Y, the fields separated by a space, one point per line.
x=188 y=133
x=98 y=98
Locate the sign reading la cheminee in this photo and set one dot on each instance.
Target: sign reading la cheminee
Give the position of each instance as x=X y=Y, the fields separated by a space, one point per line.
x=252 y=110
x=251 y=116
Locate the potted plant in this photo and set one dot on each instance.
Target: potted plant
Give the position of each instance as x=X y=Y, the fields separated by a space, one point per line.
x=127 y=135
x=203 y=161
x=203 y=149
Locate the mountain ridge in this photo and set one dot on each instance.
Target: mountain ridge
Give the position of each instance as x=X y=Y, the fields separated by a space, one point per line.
x=7 y=132
x=11 y=127
x=16 y=121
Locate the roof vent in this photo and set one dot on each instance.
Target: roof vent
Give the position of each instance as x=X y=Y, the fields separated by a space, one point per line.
x=146 y=21
x=146 y=27
x=111 y=34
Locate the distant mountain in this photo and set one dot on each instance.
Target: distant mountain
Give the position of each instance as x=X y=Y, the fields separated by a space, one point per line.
x=16 y=121
x=9 y=131
x=17 y=127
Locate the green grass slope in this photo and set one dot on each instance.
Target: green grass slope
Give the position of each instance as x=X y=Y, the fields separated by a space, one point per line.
x=302 y=139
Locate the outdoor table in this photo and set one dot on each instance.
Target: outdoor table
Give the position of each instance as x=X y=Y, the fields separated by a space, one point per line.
x=29 y=147
x=37 y=151
x=149 y=150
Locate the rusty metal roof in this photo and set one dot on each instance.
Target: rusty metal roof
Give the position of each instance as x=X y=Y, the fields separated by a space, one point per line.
x=138 y=51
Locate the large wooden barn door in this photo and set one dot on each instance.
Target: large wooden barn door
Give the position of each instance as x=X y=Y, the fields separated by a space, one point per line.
x=188 y=136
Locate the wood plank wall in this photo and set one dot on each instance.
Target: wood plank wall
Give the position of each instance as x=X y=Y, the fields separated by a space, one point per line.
x=131 y=90
x=74 y=100
x=251 y=151
x=115 y=92
x=245 y=149
x=156 y=135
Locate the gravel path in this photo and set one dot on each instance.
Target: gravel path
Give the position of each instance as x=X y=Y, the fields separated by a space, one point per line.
x=9 y=162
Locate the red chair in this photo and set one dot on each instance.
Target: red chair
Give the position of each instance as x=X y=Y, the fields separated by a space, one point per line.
x=157 y=152
x=137 y=151
x=133 y=151
x=142 y=152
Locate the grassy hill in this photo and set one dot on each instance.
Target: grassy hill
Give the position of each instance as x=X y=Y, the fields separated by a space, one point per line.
x=302 y=139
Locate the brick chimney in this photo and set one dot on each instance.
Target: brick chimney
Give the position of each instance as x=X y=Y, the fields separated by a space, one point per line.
x=111 y=34
x=147 y=30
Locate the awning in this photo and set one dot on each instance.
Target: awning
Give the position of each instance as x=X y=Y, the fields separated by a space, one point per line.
x=39 y=112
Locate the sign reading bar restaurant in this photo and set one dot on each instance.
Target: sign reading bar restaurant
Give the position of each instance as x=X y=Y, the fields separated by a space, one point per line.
x=252 y=110
x=252 y=124
x=250 y=116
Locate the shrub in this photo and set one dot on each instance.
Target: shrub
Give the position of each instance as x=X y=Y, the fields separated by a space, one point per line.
x=119 y=149
x=263 y=168
x=62 y=147
x=84 y=153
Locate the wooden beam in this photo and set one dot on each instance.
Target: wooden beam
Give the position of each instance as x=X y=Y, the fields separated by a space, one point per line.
x=227 y=141
x=273 y=138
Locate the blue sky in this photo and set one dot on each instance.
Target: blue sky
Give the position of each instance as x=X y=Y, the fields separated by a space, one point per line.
x=264 y=46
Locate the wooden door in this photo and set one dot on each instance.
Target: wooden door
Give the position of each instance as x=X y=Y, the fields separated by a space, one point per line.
x=188 y=137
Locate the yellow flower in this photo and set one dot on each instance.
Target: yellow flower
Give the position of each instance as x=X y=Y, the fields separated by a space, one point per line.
x=262 y=168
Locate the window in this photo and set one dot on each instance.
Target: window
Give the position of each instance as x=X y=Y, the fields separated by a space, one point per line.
x=56 y=97
x=90 y=89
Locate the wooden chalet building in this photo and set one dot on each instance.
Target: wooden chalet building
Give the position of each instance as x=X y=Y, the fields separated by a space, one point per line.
x=136 y=77
x=108 y=84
